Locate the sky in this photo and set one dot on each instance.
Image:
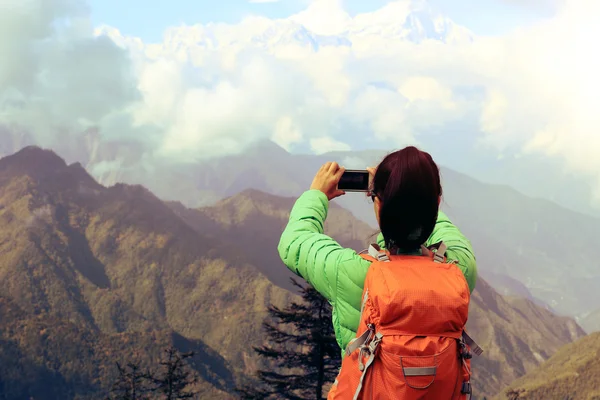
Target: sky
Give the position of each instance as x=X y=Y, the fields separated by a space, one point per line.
x=185 y=80
x=136 y=18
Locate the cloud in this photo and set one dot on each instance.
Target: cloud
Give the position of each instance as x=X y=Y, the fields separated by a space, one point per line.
x=319 y=79
x=327 y=144
x=544 y=6
x=547 y=99
x=286 y=132
x=323 y=17
x=56 y=77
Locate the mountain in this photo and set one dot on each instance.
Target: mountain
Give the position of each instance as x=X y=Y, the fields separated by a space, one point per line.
x=115 y=261
x=572 y=373
x=535 y=175
x=90 y=275
x=323 y=23
x=256 y=220
x=516 y=334
x=533 y=241
x=413 y=21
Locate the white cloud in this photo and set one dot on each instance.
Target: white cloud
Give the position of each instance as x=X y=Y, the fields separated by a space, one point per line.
x=547 y=98
x=324 y=17
x=318 y=77
x=56 y=77
x=538 y=5
x=353 y=162
x=327 y=144
x=286 y=132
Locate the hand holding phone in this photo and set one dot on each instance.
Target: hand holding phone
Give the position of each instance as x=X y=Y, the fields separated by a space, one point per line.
x=327 y=178
x=354 y=180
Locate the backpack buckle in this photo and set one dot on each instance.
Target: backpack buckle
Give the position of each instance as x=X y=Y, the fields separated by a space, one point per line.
x=375 y=342
x=466 y=388
x=378 y=254
x=465 y=352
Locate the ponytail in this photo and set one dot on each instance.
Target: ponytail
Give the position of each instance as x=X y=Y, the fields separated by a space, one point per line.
x=407 y=182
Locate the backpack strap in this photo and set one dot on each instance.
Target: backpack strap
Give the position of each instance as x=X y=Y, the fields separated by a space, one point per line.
x=369 y=349
x=439 y=255
x=471 y=343
x=436 y=251
x=466 y=350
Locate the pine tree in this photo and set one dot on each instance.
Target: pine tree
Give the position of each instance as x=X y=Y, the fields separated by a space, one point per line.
x=131 y=384
x=175 y=377
x=302 y=349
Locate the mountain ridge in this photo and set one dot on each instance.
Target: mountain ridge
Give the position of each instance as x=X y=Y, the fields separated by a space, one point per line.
x=119 y=260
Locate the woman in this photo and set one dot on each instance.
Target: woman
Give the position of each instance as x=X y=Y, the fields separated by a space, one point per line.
x=406 y=193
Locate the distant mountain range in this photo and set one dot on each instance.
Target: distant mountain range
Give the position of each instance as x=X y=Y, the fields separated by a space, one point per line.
x=404 y=21
x=90 y=275
x=527 y=246
x=519 y=225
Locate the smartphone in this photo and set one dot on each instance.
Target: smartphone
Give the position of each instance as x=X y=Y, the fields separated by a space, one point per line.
x=354 y=180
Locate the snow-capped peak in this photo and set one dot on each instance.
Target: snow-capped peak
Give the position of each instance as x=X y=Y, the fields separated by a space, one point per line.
x=324 y=23
x=412 y=20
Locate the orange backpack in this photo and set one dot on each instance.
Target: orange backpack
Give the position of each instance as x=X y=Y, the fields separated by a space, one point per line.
x=411 y=341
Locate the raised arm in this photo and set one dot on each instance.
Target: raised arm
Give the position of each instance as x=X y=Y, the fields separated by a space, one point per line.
x=306 y=251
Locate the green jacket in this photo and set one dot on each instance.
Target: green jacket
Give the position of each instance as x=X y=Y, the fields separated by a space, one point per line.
x=339 y=273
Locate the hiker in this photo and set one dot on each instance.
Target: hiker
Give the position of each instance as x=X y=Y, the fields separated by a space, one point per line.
x=406 y=193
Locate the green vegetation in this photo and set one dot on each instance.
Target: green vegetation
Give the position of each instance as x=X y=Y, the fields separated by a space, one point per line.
x=131 y=383
x=303 y=354
x=173 y=380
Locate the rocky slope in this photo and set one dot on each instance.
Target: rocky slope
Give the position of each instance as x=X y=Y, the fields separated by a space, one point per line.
x=572 y=373
x=118 y=260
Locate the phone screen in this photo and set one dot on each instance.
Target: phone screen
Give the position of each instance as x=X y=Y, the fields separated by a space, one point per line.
x=354 y=181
